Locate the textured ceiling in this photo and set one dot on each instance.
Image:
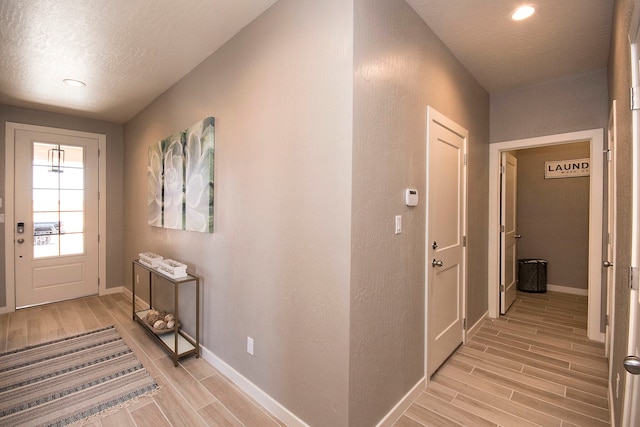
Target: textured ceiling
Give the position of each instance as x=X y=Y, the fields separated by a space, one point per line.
x=563 y=38
x=130 y=51
x=127 y=51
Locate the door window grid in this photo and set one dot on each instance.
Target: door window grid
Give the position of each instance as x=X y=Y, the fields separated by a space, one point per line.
x=58 y=200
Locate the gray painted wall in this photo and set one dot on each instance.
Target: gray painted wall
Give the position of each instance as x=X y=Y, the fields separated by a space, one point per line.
x=115 y=211
x=310 y=168
x=553 y=215
x=619 y=84
x=277 y=268
x=401 y=67
x=565 y=105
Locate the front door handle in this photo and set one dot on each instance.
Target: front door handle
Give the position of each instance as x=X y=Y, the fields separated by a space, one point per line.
x=517 y=236
x=436 y=263
x=632 y=364
x=607 y=264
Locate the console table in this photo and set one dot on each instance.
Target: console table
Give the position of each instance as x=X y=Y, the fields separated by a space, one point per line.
x=175 y=342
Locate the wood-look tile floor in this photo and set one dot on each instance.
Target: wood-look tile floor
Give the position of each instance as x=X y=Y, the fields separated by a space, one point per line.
x=532 y=367
x=192 y=394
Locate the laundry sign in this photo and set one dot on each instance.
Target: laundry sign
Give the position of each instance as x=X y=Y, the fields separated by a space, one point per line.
x=566 y=168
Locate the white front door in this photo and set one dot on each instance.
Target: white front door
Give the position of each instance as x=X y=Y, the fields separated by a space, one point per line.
x=56 y=217
x=445 y=263
x=508 y=236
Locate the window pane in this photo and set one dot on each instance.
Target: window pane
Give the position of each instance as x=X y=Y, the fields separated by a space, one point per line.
x=42 y=178
x=73 y=156
x=72 y=222
x=45 y=200
x=72 y=178
x=58 y=200
x=71 y=244
x=45 y=246
x=71 y=200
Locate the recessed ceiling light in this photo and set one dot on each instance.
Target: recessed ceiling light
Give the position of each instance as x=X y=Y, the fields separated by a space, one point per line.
x=73 y=82
x=523 y=12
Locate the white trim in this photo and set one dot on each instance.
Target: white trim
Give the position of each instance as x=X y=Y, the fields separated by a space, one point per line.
x=403 y=404
x=268 y=402
x=612 y=413
x=476 y=326
x=115 y=290
x=595 y=136
x=567 y=290
x=9 y=247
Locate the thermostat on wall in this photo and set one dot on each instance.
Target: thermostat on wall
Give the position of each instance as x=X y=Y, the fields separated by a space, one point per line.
x=411 y=197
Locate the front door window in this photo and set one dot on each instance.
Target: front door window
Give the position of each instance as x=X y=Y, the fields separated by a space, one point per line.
x=58 y=200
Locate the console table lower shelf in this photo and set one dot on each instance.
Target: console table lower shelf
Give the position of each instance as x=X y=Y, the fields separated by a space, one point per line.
x=177 y=343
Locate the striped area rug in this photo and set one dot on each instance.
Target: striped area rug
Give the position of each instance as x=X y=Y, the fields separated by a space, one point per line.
x=64 y=381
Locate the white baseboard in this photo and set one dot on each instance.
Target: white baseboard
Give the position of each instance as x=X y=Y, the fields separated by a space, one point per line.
x=404 y=403
x=567 y=290
x=268 y=402
x=611 y=406
x=115 y=290
x=472 y=331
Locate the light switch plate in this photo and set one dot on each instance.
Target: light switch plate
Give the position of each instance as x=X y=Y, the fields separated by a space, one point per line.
x=398 y=224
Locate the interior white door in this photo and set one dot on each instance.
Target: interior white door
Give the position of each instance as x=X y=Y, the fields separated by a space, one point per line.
x=445 y=247
x=508 y=231
x=631 y=409
x=610 y=211
x=56 y=214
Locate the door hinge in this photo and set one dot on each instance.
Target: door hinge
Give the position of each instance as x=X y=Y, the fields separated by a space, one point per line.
x=633 y=278
x=501 y=288
x=606 y=320
x=635 y=102
x=502 y=228
x=98 y=238
x=464 y=324
x=465 y=160
x=503 y=169
x=464 y=241
x=608 y=155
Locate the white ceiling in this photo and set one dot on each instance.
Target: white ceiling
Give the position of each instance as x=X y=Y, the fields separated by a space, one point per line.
x=127 y=51
x=563 y=38
x=130 y=51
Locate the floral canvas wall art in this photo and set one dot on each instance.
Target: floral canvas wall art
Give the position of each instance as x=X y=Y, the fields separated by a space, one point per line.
x=180 y=179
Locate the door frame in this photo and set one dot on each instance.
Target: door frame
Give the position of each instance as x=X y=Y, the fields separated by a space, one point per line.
x=436 y=117
x=9 y=225
x=596 y=140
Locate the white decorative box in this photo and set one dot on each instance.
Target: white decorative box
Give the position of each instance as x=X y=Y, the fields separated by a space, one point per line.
x=150 y=259
x=172 y=268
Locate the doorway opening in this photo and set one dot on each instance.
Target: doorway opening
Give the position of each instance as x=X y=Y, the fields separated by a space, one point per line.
x=595 y=139
x=54 y=178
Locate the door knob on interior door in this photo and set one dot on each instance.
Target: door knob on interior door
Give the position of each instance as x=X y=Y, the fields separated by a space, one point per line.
x=20 y=240
x=437 y=263
x=632 y=365
x=517 y=236
x=607 y=264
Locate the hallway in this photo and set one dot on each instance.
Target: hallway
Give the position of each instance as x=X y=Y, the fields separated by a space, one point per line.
x=532 y=367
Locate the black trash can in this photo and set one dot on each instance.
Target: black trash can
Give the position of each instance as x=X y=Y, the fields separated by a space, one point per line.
x=532 y=275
